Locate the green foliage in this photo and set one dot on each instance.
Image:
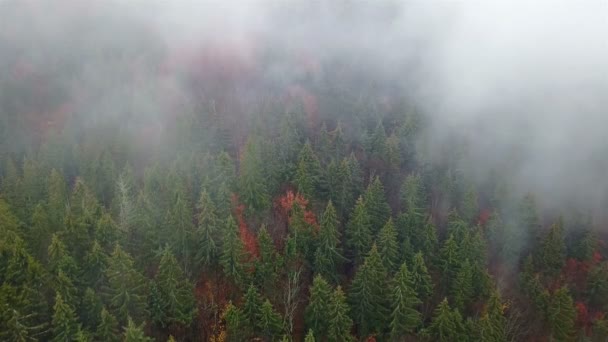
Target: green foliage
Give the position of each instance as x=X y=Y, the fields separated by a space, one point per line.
x=388 y=246
x=462 y=286
x=269 y=322
x=126 y=290
x=107 y=330
x=266 y=266
x=358 y=232
x=175 y=293
x=553 y=250
x=134 y=333
x=252 y=182
x=367 y=295
x=447 y=324
x=317 y=312
x=561 y=315
x=233 y=257
x=404 y=317
x=421 y=279
x=328 y=256
x=376 y=205
x=207 y=232
x=64 y=325
x=493 y=324
x=340 y=323
x=308 y=173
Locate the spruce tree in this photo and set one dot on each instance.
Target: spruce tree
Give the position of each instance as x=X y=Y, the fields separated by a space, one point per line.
x=252 y=309
x=447 y=325
x=328 y=256
x=207 y=230
x=180 y=229
x=404 y=316
x=134 y=333
x=317 y=314
x=553 y=250
x=358 y=232
x=492 y=325
x=126 y=291
x=107 y=330
x=269 y=322
x=561 y=315
x=340 y=323
x=64 y=325
x=367 y=295
x=422 y=282
x=252 y=181
x=233 y=255
x=376 y=205
x=462 y=286
x=388 y=246
x=176 y=292
x=308 y=173
x=235 y=323
x=267 y=264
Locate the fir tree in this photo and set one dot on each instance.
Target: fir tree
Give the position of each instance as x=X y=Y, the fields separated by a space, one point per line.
x=269 y=322
x=252 y=181
x=176 y=292
x=134 y=333
x=447 y=324
x=492 y=325
x=367 y=297
x=266 y=265
x=252 y=309
x=328 y=256
x=404 y=316
x=553 y=250
x=308 y=173
x=107 y=330
x=358 y=232
x=317 y=312
x=388 y=246
x=233 y=255
x=376 y=205
x=462 y=286
x=207 y=230
x=64 y=324
x=235 y=323
x=561 y=315
x=421 y=279
x=340 y=323
x=180 y=228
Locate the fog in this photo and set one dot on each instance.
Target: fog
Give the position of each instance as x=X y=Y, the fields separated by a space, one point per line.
x=524 y=83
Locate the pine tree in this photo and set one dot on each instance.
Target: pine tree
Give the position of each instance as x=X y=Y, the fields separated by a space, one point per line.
x=64 y=325
x=421 y=279
x=447 y=324
x=126 y=290
x=358 y=232
x=340 y=323
x=553 y=250
x=180 y=228
x=388 y=246
x=207 y=230
x=462 y=286
x=376 y=205
x=367 y=297
x=107 y=330
x=252 y=309
x=176 y=292
x=308 y=173
x=317 y=312
x=328 y=256
x=269 y=322
x=561 y=315
x=404 y=316
x=492 y=325
x=252 y=181
x=266 y=266
x=134 y=333
x=233 y=255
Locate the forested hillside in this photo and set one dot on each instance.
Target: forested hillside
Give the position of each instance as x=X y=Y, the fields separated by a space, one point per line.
x=216 y=192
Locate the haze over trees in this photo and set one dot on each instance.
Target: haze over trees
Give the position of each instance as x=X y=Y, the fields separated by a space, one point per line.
x=170 y=188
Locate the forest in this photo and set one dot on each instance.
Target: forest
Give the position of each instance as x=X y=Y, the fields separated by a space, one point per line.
x=225 y=191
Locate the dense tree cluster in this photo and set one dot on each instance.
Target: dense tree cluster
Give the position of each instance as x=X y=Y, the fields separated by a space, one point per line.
x=282 y=221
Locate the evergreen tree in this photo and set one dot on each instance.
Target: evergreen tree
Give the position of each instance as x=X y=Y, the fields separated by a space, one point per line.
x=252 y=309
x=367 y=297
x=493 y=324
x=181 y=229
x=269 y=322
x=561 y=315
x=328 y=256
x=421 y=279
x=553 y=250
x=597 y=286
x=469 y=207
x=447 y=324
x=462 y=286
x=449 y=258
x=404 y=316
x=358 y=232
x=134 y=333
x=176 y=292
x=308 y=173
x=252 y=182
x=90 y=309
x=235 y=323
x=376 y=205
x=340 y=323
x=106 y=232
x=266 y=266
x=127 y=289
x=95 y=263
x=317 y=312
x=207 y=230
x=376 y=144
x=310 y=336
x=64 y=324
x=107 y=330
x=233 y=255
x=388 y=246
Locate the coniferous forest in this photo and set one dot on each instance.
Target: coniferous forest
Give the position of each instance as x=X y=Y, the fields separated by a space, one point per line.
x=152 y=193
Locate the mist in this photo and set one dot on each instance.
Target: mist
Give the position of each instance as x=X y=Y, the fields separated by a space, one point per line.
x=523 y=84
